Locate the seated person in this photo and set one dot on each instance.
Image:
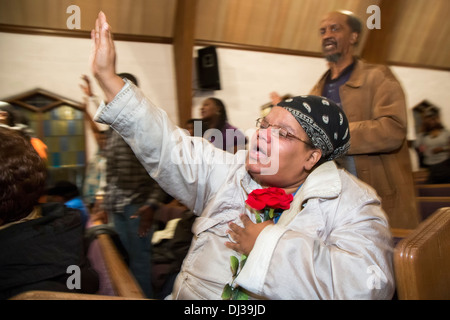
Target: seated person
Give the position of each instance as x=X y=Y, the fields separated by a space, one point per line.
x=66 y=192
x=433 y=145
x=333 y=243
x=38 y=242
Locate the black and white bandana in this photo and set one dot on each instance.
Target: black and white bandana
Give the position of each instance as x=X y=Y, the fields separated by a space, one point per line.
x=324 y=123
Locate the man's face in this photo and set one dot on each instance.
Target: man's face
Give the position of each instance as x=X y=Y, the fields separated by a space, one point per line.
x=279 y=161
x=337 y=37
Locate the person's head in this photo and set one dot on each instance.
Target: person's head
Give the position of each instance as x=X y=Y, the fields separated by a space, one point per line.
x=340 y=32
x=294 y=138
x=190 y=125
x=22 y=176
x=62 y=191
x=8 y=115
x=431 y=119
x=213 y=109
x=130 y=77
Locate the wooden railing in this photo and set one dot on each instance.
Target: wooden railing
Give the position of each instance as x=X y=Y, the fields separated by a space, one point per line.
x=123 y=281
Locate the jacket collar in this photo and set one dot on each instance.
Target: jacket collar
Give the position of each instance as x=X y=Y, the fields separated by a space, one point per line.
x=323 y=183
x=356 y=78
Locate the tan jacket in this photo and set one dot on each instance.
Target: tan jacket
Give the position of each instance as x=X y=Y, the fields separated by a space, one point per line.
x=374 y=103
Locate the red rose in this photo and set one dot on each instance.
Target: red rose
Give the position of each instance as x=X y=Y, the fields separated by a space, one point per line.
x=272 y=197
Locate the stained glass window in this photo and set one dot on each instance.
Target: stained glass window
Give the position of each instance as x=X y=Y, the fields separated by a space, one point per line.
x=59 y=123
x=64 y=136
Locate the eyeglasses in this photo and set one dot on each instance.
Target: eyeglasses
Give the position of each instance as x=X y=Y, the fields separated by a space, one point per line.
x=262 y=123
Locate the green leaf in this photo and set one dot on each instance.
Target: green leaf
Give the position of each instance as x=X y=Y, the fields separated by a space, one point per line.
x=234 y=264
x=266 y=214
x=243 y=260
x=271 y=213
x=227 y=291
x=258 y=218
x=239 y=295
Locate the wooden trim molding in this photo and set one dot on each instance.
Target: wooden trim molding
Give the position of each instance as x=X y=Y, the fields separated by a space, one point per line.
x=197 y=42
x=80 y=34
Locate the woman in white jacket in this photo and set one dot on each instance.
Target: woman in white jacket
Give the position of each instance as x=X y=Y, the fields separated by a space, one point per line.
x=333 y=242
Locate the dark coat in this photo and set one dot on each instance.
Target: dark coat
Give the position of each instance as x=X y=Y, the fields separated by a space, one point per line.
x=35 y=255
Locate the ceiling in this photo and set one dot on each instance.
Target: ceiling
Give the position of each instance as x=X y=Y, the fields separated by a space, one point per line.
x=413 y=32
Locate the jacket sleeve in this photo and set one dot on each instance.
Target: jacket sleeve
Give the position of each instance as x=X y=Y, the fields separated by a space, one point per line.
x=179 y=163
x=386 y=129
x=352 y=262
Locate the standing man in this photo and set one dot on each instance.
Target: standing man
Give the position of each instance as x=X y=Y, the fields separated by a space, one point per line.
x=374 y=103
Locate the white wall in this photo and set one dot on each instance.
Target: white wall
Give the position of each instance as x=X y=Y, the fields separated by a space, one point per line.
x=248 y=77
x=57 y=63
x=420 y=84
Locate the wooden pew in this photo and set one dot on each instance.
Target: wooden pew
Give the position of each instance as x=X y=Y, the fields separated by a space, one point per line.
x=124 y=283
x=422 y=260
x=428 y=205
x=52 y=295
x=433 y=190
x=420 y=176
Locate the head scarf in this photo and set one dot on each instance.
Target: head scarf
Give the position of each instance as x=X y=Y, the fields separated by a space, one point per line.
x=323 y=121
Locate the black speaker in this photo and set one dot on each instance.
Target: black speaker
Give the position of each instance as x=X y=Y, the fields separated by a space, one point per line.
x=208 y=69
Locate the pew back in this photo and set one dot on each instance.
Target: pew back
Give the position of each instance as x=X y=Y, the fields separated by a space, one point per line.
x=422 y=260
x=433 y=190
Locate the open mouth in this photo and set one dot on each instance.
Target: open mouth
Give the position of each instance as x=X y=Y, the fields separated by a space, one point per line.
x=328 y=45
x=258 y=151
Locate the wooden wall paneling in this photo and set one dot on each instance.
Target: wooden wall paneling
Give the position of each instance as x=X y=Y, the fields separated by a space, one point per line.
x=136 y=17
x=378 y=43
x=183 y=44
x=277 y=24
x=421 y=34
x=413 y=33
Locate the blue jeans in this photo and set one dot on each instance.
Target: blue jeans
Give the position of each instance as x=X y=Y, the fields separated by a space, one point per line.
x=138 y=248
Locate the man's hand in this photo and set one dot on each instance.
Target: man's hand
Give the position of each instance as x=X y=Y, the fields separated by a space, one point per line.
x=146 y=214
x=103 y=58
x=245 y=238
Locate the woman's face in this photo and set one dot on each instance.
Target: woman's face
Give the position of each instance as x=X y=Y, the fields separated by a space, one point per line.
x=276 y=161
x=208 y=109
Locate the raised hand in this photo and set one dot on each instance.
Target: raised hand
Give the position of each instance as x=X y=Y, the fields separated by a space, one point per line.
x=86 y=87
x=103 y=58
